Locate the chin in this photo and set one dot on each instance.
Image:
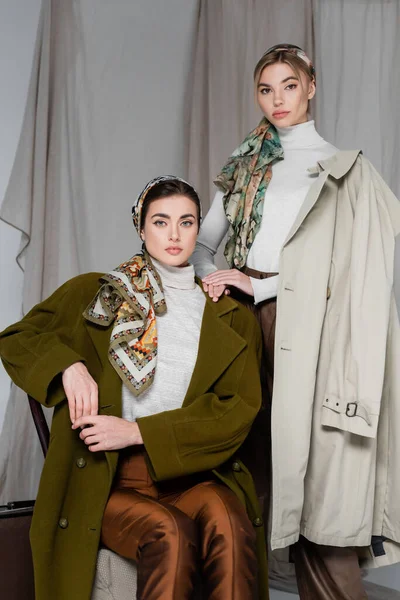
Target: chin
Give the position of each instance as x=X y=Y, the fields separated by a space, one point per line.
x=286 y=122
x=169 y=260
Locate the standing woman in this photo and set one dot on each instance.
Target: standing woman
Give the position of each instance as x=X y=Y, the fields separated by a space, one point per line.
x=311 y=236
x=161 y=388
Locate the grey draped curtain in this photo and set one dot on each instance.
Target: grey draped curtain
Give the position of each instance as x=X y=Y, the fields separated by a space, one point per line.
x=357 y=56
x=104 y=115
x=232 y=36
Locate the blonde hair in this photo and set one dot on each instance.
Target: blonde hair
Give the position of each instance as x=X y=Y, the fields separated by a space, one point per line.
x=282 y=56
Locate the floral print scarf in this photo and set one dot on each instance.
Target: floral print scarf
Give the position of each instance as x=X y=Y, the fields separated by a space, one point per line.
x=244 y=180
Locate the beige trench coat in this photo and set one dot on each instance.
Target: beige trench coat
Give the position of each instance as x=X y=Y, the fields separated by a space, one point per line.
x=336 y=402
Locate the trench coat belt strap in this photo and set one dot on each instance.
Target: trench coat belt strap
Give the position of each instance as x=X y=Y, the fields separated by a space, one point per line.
x=350 y=409
x=257 y=274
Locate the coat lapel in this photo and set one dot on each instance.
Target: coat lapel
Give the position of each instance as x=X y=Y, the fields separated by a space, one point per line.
x=219 y=345
x=308 y=204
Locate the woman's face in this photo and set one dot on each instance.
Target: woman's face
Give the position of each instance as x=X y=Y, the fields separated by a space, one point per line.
x=170 y=230
x=282 y=97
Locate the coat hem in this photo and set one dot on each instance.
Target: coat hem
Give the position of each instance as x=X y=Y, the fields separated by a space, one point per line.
x=316 y=537
x=278 y=543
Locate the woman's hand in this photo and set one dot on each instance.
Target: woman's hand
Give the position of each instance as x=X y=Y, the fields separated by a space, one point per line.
x=215 y=291
x=81 y=391
x=104 y=432
x=217 y=282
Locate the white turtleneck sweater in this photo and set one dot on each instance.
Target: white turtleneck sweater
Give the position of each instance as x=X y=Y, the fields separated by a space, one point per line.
x=303 y=148
x=178 y=331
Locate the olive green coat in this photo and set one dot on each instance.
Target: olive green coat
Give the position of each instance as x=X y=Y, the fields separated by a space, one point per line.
x=221 y=403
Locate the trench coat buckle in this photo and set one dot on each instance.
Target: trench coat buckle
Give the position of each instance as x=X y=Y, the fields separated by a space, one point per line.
x=351 y=409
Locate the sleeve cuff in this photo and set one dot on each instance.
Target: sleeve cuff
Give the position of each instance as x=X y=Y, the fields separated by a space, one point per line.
x=45 y=370
x=161 y=447
x=264 y=289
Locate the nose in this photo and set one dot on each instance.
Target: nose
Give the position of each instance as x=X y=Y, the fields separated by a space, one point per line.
x=174 y=233
x=277 y=99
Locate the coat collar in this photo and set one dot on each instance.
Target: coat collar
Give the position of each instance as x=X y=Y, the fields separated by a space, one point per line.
x=337 y=166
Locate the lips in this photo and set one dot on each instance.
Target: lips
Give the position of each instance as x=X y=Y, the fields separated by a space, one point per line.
x=280 y=114
x=174 y=250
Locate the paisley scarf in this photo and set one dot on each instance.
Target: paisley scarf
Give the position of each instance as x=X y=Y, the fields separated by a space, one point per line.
x=244 y=180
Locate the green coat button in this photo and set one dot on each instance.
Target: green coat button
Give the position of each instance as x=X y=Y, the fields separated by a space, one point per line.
x=81 y=462
x=258 y=522
x=236 y=467
x=63 y=523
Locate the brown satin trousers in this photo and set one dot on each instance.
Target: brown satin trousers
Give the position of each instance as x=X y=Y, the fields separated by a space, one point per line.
x=322 y=572
x=186 y=534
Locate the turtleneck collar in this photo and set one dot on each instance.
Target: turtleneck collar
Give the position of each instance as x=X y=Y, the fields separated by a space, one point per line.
x=299 y=136
x=181 y=278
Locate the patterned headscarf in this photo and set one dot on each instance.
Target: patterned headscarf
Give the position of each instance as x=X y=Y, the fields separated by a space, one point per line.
x=130 y=298
x=138 y=206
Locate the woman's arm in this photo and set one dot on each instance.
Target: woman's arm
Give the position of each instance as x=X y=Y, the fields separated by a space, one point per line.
x=212 y=232
x=261 y=289
x=43 y=350
x=216 y=282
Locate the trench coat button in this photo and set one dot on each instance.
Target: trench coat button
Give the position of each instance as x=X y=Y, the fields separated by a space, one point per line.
x=258 y=522
x=63 y=523
x=236 y=467
x=328 y=293
x=81 y=463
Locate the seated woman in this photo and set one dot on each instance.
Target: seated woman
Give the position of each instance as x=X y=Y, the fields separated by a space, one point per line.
x=162 y=386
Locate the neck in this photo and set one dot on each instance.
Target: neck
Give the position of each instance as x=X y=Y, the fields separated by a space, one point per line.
x=175 y=277
x=302 y=135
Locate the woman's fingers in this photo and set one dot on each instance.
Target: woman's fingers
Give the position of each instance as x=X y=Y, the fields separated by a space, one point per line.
x=78 y=406
x=87 y=420
x=72 y=406
x=212 y=277
x=81 y=391
x=94 y=401
x=106 y=432
x=218 y=291
x=231 y=277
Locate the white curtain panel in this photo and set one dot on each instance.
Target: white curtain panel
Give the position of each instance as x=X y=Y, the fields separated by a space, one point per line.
x=104 y=114
x=357 y=55
x=232 y=36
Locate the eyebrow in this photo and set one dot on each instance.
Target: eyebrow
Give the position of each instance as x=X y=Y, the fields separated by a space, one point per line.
x=165 y=216
x=283 y=81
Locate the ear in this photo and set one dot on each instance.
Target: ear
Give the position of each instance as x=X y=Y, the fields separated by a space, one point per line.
x=142 y=235
x=311 y=90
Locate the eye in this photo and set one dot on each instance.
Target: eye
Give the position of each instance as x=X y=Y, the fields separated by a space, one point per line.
x=187 y=223
x=291 y=86
x=159 y=223
x=265 y=91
